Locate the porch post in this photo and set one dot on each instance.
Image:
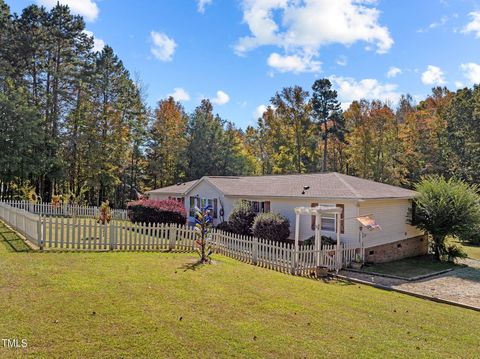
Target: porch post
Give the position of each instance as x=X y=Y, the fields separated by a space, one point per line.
x=297 y=235
x=339 y=251
x=318 y=236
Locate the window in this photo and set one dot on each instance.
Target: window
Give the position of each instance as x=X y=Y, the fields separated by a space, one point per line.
x=213 y=204
x=328 y=219
x=178 y=199
x=328 y=222
x=197 y=201
x=260 y=206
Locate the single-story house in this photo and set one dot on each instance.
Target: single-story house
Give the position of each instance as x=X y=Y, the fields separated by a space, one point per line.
x=390 y=206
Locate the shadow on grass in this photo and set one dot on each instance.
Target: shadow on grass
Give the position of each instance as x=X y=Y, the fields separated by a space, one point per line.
x=12 y=242
x=194 y=266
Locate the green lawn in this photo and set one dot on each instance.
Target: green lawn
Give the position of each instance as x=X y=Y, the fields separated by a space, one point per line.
x=409 y=267
x=471 y=250
x=139 y=305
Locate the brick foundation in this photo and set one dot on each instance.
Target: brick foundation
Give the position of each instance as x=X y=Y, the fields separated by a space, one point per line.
x=410 y=247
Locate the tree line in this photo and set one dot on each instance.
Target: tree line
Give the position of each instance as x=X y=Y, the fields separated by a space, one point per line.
x=74 y=122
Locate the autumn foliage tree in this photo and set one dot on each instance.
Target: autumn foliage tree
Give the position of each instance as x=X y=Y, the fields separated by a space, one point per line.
x=168 y=143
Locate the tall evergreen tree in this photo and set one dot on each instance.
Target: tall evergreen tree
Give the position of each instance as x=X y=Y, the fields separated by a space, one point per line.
x=327 y=114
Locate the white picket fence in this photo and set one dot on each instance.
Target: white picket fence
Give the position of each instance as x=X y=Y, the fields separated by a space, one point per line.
x=66 y=210
x=49 y=209
x=73 y=233
x=28 y=224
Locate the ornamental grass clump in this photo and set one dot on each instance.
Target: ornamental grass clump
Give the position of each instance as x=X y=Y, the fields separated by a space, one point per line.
x=157 y=211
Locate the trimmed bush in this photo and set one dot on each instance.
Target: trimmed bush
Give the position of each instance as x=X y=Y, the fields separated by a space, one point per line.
x=325 y=241
x=224 y=226
x=241 y=218
x=156 y=211
x=271 y=226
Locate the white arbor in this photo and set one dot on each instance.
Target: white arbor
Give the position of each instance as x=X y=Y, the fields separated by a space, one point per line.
x=318 y=212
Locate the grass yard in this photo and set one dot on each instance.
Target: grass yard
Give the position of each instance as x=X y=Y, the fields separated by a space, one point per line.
x=409 y=267
x=138 y=305
x=471 y=250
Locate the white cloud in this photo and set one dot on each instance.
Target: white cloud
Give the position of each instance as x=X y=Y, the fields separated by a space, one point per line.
x=98 y=44
x=433 y=76
x=301 y=28
x=180 y=94
x=471 y=71
x=371 y=89
x=293 y=63
x=201 y=4
x=163 y=47
x=459 y=84
x=342 y=60
x=393 y=71
x=87 y=8
x=443 y=20
x=259 y=111
x=474 y=25
x=221 y=99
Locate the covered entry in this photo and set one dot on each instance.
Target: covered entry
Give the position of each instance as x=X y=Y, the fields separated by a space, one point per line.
x=318 y=212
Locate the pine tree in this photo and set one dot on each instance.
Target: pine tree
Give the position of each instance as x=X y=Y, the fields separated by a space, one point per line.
x=327 y=114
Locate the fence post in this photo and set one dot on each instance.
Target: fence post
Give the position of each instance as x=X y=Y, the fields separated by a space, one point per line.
x=111 y=235
x=172 y=234
x=255 y=250
x=295 y=260
x=339 y=255
x=215 y=237
x=40 y=230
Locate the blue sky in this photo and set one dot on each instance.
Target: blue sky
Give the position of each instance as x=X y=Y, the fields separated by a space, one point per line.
x=239 y=52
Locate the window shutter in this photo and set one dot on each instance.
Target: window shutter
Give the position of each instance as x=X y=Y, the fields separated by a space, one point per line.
x=342 y=218
x=314 y=219
x=215 y=206
x=192 y=206
x=266 y=206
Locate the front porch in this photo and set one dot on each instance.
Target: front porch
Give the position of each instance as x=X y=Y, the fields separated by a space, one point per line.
x=332 y=257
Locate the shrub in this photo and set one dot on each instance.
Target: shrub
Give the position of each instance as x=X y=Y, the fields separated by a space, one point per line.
x=224 y=226
x=473 y=237
x=446 y=208
x=454 y=252
x=271 y=226
x=325 y=241
x=157 y=211
x=242 y=217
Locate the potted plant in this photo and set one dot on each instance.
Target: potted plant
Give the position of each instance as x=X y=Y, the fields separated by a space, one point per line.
x=357 y=262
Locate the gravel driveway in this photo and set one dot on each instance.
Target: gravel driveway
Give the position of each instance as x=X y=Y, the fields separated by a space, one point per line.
x=460 y=285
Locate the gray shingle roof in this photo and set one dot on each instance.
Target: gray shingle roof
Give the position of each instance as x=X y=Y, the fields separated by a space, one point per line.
x=178 y=189
x=321 y=185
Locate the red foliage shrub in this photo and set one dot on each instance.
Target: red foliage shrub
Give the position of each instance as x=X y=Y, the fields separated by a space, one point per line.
x=157 y=211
